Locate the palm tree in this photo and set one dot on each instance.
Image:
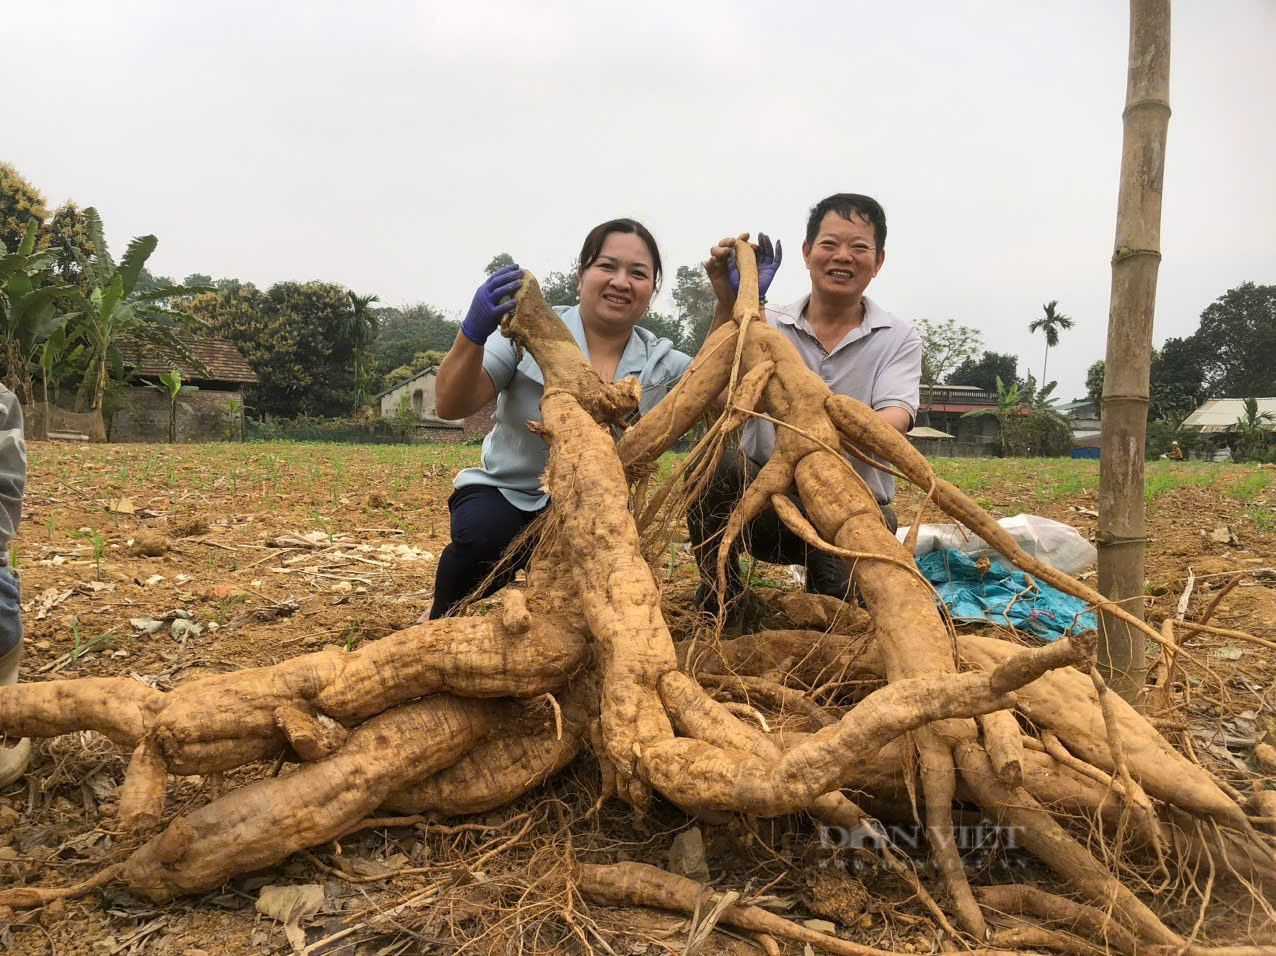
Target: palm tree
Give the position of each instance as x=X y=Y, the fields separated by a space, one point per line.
x=360 y=331
x=1050 y=323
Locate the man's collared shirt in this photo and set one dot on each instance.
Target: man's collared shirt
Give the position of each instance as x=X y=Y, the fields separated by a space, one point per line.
x=879 y=362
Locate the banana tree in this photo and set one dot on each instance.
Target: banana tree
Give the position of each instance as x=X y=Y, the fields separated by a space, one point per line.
x=29 y=311
x=171 y=387
x=58 y=350
x=115 y=312
x=1044 y=429
x=1009 y=402
x=1251 y=430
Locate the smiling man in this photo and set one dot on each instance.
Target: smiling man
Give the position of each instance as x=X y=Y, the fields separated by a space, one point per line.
x=858 y=349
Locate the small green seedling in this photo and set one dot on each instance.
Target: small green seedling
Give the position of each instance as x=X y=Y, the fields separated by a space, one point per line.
x=99 y=548
x=323 y=523
x=80 y=647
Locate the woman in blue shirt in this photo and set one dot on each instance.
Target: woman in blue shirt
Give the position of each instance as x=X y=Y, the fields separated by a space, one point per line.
x=619 y=272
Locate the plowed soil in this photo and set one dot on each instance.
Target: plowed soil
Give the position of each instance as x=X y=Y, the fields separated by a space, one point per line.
x=168 y=563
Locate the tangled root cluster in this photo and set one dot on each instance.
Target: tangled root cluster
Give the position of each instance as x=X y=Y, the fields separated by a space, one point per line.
x=851 y=717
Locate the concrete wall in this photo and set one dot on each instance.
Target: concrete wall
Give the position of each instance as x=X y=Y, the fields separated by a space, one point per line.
x=948 y=448
x=144 y=417
x=85 y=426
x=420 y=392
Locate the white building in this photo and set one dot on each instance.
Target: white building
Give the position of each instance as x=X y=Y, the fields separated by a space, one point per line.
x=419 y=391
x=1219 y=414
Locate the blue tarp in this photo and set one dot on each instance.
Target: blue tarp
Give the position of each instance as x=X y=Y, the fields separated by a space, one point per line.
x=1034 y=607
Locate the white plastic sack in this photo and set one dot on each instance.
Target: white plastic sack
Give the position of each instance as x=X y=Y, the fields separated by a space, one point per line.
x=1057 y=544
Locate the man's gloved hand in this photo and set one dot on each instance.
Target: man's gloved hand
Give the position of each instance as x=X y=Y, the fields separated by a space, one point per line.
x=487 y=308
x=769 y=259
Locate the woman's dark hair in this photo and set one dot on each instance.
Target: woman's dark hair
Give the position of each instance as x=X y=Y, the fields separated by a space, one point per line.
x=848 y=206
x=593 y=246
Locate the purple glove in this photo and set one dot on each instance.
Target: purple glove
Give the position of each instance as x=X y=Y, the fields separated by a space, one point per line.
x=769 y=260
x=487 y=308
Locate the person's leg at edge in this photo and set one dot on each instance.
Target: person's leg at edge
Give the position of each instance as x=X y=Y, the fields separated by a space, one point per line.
x=14 y=754
x=827 y=573
x=483 y=526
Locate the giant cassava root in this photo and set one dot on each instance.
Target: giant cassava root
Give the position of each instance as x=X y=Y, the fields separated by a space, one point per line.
x=466 y=714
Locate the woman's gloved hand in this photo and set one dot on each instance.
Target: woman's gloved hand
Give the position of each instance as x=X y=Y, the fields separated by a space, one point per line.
x=493 y=299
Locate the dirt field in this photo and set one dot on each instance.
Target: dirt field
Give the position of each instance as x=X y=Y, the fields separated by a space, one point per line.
x=170 y=563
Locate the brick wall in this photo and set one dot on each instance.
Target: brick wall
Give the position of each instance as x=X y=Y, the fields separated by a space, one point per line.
x=145 y=416
x=480 y=423
x=438 y=435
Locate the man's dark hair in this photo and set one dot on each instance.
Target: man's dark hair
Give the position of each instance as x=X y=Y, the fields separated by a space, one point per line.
x=849 y=206
x=593 y=246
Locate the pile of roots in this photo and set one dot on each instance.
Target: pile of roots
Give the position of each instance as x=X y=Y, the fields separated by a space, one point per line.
x=886 y=714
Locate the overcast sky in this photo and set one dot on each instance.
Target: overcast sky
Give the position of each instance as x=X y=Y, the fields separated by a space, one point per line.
x=396 y=147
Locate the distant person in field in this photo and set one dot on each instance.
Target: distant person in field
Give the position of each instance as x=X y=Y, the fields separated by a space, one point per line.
x=1176 y=453
x=619 y=272
x=14 y=754
x=851 y=342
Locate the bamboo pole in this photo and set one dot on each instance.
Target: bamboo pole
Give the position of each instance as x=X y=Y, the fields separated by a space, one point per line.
x=1135 y=261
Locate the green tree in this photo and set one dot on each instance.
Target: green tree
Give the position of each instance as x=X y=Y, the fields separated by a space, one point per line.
x=115 y=312
x=67 y=234
x=499 y=262
x=199 y=279
x=945 y=346
x=430 y=358
x=28 y=308
x=20 y=202
x=559 y=288
x=411 y=329
x=1177 y=384
x=983 y=372
x=667 y=327
x=695 y=301
x=1050 y=324
x=396 y=376
x=1237 y=339
x=1094 y=381
x=171 y=387
x=147 y=282
x=360 y=329
x=1251 y=431
x=294 y=336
